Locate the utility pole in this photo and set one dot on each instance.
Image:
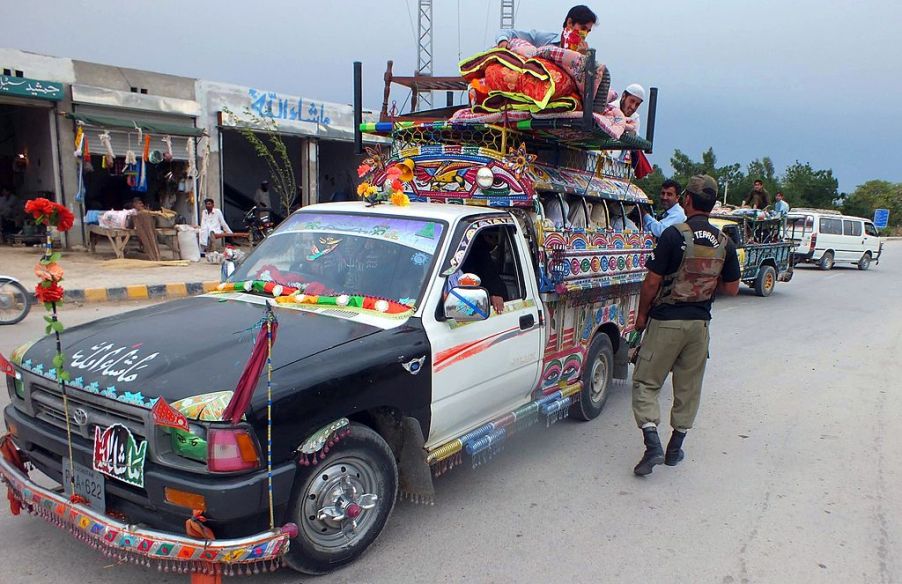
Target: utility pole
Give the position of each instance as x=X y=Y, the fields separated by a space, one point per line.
x=424 y=50
x=507 y=14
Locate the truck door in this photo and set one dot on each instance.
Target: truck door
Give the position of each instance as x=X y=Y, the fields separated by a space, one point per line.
x=485 y=368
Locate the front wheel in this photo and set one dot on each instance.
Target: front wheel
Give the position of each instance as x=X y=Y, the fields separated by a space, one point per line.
x=342 y=504
x=766 y=280
x=598 y=371
x=826 y=261
x=865 y=261
x=15 y=301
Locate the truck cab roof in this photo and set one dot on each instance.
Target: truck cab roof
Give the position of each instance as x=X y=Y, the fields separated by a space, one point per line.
x=440 y=211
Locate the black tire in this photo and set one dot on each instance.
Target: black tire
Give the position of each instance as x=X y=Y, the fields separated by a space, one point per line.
x=766 y=280
x=15 y=301
x=826 y=261
x=865 y=262
x=598 y=374
x=321 y=546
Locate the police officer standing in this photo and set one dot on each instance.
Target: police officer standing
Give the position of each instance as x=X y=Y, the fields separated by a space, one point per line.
x=691 y=262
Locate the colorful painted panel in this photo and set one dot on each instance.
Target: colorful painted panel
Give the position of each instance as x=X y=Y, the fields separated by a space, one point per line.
x=571 y=326
x=573 y=260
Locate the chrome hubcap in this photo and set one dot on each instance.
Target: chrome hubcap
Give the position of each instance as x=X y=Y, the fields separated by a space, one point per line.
x=338 y=502
x=599 y=379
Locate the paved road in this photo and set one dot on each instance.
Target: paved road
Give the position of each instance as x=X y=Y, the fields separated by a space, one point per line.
x=791 y=473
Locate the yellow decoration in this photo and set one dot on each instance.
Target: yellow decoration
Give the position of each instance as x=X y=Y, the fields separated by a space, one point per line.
x=406 y=168
x=400 y=199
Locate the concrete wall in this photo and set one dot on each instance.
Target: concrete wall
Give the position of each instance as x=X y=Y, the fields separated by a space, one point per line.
x=37 y=66
x=123 y=79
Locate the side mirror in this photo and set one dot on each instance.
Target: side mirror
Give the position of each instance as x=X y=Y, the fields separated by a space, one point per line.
x=467 y=304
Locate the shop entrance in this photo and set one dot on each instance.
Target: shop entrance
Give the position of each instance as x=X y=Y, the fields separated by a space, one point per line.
x=28 y=166
x=243 y=171
x=159 y=176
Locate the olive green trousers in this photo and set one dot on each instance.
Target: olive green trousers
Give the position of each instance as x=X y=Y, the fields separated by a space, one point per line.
x=680 y=346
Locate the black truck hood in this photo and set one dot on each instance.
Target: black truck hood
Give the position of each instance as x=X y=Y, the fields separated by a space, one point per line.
x=185 y=348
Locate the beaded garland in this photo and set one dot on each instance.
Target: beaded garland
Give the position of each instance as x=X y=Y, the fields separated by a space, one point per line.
x=291 y=295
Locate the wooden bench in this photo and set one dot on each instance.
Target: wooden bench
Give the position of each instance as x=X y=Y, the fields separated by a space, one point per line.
x=119 y=238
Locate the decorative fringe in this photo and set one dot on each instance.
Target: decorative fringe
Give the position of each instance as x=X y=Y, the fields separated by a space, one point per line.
x=313 y=458
x=440 y=467
x=485 y=448
x=416 y=499
x=556 y=410
x=54 y=513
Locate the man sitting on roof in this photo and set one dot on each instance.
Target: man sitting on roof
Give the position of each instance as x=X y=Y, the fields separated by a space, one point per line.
x=629 y=103
x=577 y=24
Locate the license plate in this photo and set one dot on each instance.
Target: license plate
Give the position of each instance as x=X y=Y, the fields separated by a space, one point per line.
x=88 y=483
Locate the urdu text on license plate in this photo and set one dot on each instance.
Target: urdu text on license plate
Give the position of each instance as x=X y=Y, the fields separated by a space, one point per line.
x=88 y=483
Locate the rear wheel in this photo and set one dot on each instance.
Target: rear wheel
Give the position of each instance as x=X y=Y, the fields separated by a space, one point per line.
x=865 y=261
x=15 y=301
x=342 y=504
x=598 y=372
x=766 y=280
x=826 y=261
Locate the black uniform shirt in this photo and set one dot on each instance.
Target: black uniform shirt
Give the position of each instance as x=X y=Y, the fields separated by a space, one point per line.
x=666 y=260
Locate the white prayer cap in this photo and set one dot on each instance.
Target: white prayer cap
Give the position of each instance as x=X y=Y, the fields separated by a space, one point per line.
x=635 y=90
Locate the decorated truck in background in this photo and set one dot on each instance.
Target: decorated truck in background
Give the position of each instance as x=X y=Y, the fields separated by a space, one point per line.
x=388 y=364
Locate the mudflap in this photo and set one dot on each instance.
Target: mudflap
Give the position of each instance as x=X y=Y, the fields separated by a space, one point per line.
x=622 y=360
x=414 y=473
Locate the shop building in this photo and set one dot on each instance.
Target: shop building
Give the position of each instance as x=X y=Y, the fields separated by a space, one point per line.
x=33 y=90
x=96 y=136
x=319 y=138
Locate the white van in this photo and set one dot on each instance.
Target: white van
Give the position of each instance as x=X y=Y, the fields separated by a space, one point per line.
x=827 y=237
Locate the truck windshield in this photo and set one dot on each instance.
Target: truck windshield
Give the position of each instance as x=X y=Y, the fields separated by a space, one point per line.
x=344 y=253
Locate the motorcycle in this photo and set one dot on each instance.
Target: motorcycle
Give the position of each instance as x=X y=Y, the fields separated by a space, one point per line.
x=15 y=300
x=259 y=222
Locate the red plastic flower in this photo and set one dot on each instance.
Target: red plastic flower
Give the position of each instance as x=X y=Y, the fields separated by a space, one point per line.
x=363 y=169
x=65 y=218
x=49 y=213
x=51 y=293
x=39 y=207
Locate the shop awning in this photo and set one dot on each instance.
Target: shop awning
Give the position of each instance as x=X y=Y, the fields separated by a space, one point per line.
x=153 y=127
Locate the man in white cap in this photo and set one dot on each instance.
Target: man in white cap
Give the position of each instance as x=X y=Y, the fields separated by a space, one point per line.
x=629 y=103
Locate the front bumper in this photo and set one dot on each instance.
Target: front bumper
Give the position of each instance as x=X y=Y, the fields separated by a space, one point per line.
x=236 y=506
x=147 y=546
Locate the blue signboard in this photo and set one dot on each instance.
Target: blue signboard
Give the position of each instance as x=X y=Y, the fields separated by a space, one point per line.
x=881 y=218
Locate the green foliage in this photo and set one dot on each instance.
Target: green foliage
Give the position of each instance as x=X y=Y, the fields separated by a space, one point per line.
x=802 y=185
x=876 y=194
x=651 y=183
x=806 y=187
x=273 y=151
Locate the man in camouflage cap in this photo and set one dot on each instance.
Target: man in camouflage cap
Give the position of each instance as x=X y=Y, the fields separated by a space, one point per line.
x=691 y=262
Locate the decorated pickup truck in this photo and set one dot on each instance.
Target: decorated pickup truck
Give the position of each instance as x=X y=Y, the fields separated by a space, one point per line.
x=491 y=288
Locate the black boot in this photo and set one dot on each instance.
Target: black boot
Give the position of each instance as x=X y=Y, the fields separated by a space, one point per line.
x=675 y=449
x=654 y=454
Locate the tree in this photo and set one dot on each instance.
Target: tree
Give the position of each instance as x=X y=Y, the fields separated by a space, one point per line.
x=684 y=168
x=806 y=187
x=875 y=194
x=651 y=183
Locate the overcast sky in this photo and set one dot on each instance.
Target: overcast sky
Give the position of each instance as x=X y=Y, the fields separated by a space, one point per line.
x=810 y=80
